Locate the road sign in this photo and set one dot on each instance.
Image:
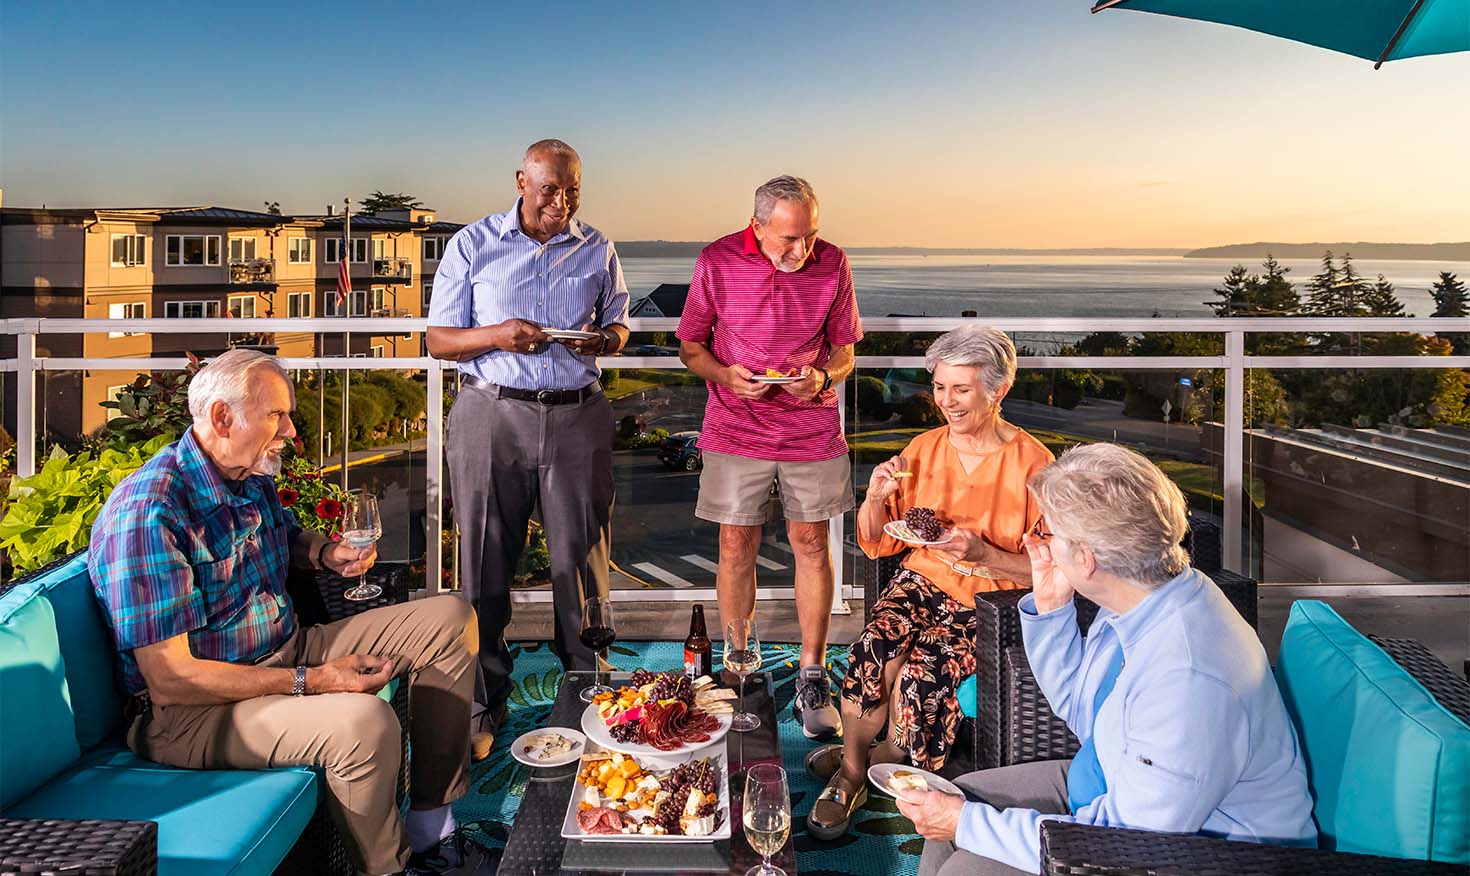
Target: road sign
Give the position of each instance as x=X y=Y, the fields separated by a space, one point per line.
x=1166 y=407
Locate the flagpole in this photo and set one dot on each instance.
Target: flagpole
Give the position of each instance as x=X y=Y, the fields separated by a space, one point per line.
x=346 y=336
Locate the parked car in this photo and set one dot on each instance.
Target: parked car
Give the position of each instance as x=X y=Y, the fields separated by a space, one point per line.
x=679 y=450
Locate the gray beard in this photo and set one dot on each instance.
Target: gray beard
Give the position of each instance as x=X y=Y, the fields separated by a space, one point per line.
x=269 y=465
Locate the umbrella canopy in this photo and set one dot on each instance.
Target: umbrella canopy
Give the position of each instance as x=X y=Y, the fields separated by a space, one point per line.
x=1379 y=30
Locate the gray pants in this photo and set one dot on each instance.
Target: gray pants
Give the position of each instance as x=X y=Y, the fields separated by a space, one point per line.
x=1041 y=786
x=507 y=460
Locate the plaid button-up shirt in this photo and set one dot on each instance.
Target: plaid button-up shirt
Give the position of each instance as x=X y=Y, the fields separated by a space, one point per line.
x=176 y=550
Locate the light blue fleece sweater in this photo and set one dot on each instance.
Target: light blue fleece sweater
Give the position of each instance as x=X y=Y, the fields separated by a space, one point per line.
x=1193 y=739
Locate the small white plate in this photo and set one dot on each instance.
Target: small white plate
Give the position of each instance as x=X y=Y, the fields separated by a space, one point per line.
x=900 y=530
x=880 y=773
x=518 y=748
x=775 y=381
x=569 y=334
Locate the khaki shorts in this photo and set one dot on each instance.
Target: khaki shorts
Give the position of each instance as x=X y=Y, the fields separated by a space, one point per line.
x=743 y=491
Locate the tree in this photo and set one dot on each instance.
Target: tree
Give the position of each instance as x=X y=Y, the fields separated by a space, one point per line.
x=1321 y=289
x=1380 y=299
x=1451 y=300
x=379 y=201
x=273 y=207
x=1236 y=293
x=1276 y=297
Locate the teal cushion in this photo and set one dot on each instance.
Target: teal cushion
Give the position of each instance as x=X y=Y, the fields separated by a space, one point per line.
x=37 y=727
x=966 y=696
x=87 y=650
x=210 y=822
x=1389 y=766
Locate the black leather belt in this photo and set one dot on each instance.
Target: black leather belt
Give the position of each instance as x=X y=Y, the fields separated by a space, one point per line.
x=540 y=396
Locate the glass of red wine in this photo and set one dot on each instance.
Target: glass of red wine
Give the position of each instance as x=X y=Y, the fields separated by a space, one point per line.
x=597 y=633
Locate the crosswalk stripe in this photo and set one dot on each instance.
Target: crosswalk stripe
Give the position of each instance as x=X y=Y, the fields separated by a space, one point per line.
x=701 y=562
x=663 y=575
x=768 y=564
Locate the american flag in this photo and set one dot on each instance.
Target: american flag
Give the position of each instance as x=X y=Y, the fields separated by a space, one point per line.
x=344 y=279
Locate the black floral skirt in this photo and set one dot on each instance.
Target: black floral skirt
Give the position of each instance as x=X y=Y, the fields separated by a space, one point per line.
x=917 y=620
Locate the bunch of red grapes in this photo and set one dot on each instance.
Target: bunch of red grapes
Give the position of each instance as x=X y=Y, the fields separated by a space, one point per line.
x=696 y=774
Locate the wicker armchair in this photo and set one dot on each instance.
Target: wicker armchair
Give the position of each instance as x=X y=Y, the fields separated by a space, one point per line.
x=1074 y=849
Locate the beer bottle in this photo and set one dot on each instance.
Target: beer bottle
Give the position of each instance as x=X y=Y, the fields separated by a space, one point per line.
x=698 y=653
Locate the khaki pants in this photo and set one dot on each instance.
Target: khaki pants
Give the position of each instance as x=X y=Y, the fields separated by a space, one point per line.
x=1041 y=785
x=353 y=737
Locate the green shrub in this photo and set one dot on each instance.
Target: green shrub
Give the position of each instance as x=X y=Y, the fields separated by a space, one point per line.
x=51 y=513
x=150 y=406
x=920 y=411
x=867 y=393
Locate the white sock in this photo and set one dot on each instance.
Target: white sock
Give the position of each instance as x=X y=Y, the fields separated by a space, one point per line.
x=427 y=826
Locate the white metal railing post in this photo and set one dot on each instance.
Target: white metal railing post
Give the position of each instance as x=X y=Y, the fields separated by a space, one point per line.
x=25 y=403
x=433 y=479
x=1233 y=462
x=837 y=524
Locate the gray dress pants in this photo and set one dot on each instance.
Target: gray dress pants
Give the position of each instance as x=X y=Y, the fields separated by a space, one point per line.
x=509 y=459
x=1041 y=786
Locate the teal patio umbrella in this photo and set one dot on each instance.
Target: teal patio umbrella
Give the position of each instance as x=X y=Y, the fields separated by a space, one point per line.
x=1379 y=30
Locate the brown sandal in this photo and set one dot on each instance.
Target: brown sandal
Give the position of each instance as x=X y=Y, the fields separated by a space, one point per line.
x=839 y=804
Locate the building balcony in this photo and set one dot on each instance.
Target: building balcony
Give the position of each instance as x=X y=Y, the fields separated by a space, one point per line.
x=393 y=270
x=247 y=272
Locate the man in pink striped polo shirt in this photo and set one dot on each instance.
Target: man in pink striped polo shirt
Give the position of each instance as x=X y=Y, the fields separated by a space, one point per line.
x=770 y=299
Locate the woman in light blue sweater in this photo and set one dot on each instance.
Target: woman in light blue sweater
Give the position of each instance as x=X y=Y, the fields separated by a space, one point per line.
x=1183 y=728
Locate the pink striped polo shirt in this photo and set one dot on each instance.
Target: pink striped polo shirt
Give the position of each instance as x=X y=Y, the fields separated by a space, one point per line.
x=763 y=318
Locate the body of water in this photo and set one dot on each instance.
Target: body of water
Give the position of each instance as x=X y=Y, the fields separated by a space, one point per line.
x=1057 y=286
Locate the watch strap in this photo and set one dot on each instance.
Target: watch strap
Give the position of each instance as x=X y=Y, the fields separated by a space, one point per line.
x=298 y=687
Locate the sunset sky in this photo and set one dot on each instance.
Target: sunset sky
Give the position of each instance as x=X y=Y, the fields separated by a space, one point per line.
x=1025 y=124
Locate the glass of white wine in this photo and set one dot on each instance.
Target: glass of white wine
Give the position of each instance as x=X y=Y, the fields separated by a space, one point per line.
x=766 y=814
x=742 y=657
x=361 y=528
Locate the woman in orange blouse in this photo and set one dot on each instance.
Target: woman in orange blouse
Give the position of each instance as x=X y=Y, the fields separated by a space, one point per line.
x=906 y=665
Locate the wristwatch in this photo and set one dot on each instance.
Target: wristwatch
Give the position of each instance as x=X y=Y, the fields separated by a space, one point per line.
x=298 y=688
x=826 y=379
x=322 y=549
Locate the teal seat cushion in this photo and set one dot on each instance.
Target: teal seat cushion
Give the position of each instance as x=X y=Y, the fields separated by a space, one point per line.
x=210 y=822
x=1389 y=766
x=966 y=695
x=86 y=649
x=37 y=727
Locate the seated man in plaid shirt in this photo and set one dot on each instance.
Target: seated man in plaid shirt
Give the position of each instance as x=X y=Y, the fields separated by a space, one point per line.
x=189 y=558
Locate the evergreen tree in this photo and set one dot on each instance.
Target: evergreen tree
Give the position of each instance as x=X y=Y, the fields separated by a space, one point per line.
x=379 y=201
x=1277 y=297
x=1237 y=294
x=1352 y=290
x=1380 y=299
x=1451 y=300
x=1322 y=289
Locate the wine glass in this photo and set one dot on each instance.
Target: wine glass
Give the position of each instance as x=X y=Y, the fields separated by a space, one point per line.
x=361 y=527
x=597 y=633
x=742 y=657
x=766 y=814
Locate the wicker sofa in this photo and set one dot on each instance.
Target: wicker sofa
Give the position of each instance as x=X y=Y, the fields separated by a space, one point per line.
x=73 y=798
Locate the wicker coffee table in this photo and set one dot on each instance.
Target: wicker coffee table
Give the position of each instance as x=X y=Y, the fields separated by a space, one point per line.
x=535 y=846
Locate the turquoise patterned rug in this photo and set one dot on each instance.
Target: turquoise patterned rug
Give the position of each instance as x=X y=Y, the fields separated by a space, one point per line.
x=881 y=841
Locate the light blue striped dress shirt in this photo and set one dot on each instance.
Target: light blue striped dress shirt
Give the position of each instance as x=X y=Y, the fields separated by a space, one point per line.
x=492 y=271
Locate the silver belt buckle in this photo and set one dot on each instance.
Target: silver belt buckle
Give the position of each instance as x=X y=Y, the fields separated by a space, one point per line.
x=545 y=396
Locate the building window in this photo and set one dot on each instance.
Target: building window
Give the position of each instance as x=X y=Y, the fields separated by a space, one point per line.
x=379 y=299
x=428 y=293
x=298 y=251
x=380 y=248
x=191 y=250
x=242 y=306
x=242 y=249
x=356 y=304
x=129 y=250
x=129 y=310
x=112 y=395
x=298 y=304
x=358 y=247
x=433 y=248
x=190 y=309
x=377 y=351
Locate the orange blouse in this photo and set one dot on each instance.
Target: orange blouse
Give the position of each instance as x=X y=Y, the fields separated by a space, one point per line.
x=992 y=501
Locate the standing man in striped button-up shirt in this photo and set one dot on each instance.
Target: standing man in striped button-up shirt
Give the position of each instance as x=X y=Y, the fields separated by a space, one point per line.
x=775 y=297
x=531 y=427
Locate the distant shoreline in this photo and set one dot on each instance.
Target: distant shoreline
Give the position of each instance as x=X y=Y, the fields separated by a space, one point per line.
x=1457 y=252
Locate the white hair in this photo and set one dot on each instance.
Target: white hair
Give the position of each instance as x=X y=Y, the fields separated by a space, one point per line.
x=227 y=378
x=1118 y=504
x=986 y=349
x=782 y=188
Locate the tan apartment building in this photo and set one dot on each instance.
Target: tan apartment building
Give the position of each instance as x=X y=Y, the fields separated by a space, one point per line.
x=202 y=262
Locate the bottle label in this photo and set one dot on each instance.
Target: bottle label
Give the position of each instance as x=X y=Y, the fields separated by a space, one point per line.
x=691 y=664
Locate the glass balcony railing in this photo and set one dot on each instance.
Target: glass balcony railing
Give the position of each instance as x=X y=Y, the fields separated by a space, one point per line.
x=1340 y=473
x=245 y=271
x=392 y=269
